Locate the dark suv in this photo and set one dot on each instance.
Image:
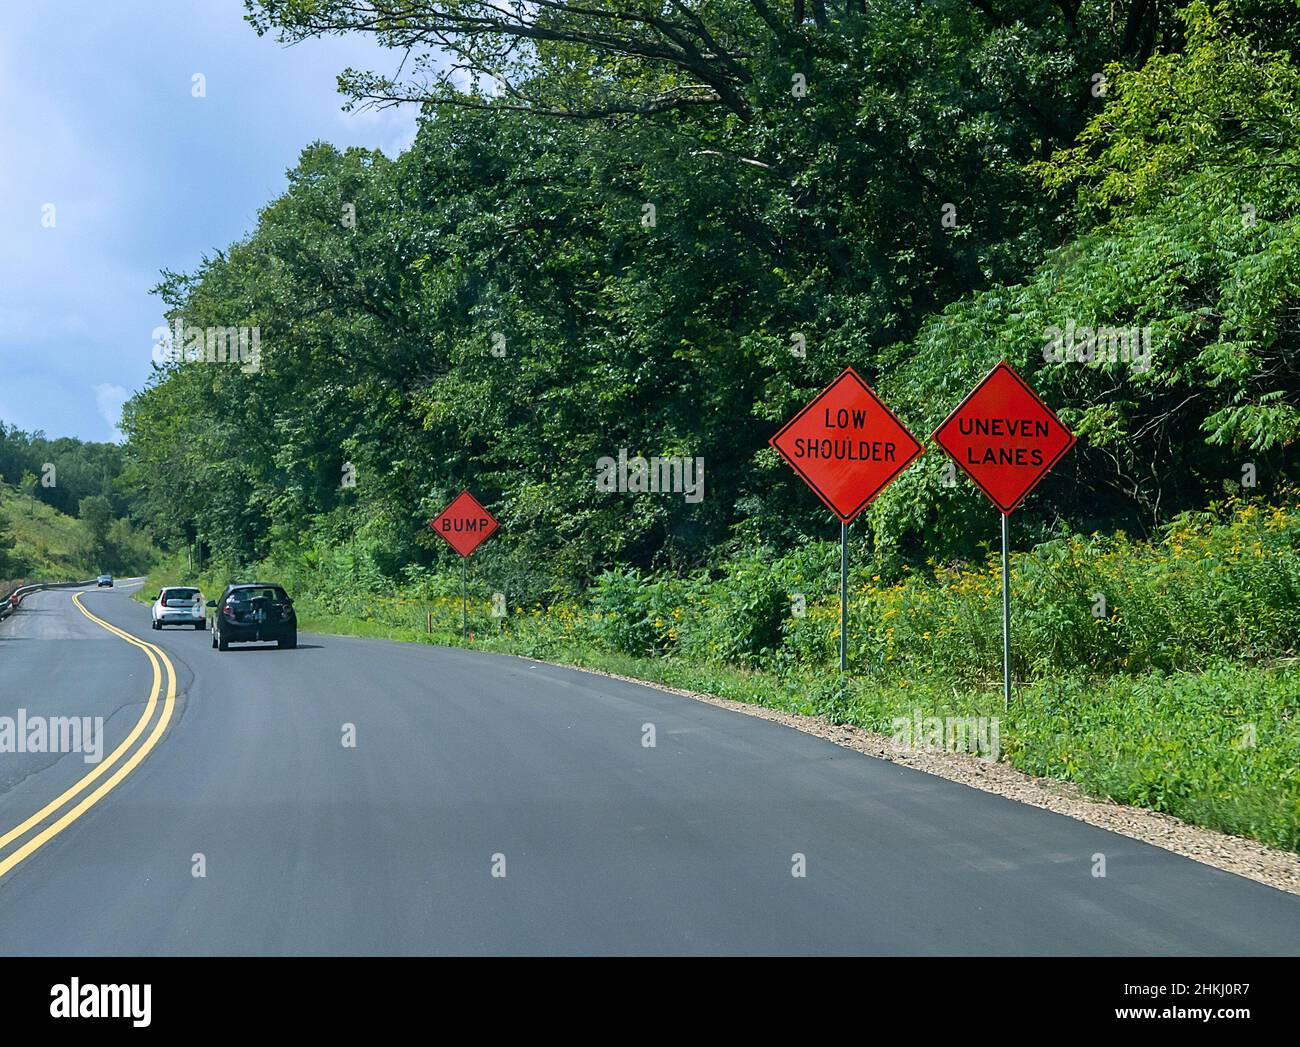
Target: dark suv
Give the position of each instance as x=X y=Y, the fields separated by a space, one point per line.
x=253 y=612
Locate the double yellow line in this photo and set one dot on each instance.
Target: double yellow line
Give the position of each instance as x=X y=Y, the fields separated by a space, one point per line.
x=159 y=660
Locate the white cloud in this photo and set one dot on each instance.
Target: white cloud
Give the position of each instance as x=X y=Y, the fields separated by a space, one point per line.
x=110 y=398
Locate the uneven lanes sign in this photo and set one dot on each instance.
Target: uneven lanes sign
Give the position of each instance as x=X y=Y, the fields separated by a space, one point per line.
x=1004 y=437
x=846 y=445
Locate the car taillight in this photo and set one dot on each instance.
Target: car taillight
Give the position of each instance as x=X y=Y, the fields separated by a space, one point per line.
x=286 y=612
x=228 y=612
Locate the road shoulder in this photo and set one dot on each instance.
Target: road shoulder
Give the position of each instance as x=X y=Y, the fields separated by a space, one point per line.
x=1234 y=854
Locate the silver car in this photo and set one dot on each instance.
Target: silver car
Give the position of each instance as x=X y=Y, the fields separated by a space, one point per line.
x=179 y=605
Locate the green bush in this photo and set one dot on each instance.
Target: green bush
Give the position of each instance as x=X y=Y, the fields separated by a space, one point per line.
x=637 y=613
x=740 y=618
x=1220 y=748
x=1204 y=591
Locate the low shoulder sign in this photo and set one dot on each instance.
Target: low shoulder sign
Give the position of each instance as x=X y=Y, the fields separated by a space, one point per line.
x=846 y=445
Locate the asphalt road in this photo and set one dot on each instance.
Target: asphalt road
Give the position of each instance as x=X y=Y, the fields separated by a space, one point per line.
x=464 y=762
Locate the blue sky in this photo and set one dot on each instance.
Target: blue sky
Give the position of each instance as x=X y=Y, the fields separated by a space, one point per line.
x=97 y=117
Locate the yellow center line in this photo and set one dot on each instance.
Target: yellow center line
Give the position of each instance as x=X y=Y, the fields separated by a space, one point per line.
x=36 y=842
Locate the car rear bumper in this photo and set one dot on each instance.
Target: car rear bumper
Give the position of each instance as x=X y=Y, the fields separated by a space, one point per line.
x=263 y=633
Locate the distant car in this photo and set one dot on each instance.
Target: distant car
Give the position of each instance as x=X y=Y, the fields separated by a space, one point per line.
x=105 y=579
x=179 y=605
x=252 y=612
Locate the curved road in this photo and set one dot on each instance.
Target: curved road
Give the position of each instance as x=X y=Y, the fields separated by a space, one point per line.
x=464 y=762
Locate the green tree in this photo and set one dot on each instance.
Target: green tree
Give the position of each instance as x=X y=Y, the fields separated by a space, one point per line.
x=96 y=513
x=9 y=565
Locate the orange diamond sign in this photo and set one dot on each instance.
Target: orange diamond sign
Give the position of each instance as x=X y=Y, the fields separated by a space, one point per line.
x=464 y=524
x=847 y=445
x=1005 y=437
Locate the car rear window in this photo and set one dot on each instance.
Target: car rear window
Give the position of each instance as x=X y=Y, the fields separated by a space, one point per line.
x=179 y=597
x=249 y=595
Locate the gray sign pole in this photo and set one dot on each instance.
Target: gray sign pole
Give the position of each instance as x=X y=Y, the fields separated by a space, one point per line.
x=844 y=595
x=464 y=601
x=1006 y=615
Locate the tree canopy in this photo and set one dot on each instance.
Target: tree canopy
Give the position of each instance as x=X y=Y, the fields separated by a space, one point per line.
x=662 y=227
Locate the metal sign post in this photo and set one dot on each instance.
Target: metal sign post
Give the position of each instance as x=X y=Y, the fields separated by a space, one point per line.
x=844 y=595
x=1006 y=439
x=847 y=446
x=1006 y=613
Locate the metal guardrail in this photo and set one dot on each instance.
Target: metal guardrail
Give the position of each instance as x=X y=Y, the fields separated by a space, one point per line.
x=15 y=596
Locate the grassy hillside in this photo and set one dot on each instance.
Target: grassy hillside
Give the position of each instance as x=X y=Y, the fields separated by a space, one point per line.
x=47 y=543
x=50 y=545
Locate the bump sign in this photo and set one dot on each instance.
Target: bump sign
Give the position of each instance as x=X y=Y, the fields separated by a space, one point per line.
x=464 y=525
x=847 y=445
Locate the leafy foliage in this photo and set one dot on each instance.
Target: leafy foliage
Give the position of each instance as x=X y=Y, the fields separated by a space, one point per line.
x=502 y=313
